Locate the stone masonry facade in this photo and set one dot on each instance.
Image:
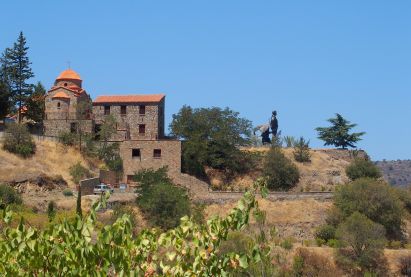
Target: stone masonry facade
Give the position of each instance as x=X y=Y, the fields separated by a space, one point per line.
x=139 y=123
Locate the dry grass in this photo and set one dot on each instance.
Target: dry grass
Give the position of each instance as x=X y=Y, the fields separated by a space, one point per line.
x=51 y=158
x=323 y=173
x=292 y=218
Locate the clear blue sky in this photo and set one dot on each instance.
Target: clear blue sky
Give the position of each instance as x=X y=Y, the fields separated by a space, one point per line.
x=306 y=59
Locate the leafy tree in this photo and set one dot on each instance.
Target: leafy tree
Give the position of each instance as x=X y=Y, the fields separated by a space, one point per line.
x=364 y=242
x=78 y=172
x=374 y=199
x=83 y=111
x=302 y=150
x=19 y=72
x=338 y=134
x=362 y=168
x=18 y=140
x=161 y=200
x=211 y=138
x=35 y=103
x=280 y=172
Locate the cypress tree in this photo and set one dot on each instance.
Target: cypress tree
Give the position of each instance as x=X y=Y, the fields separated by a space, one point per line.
x=19 y=72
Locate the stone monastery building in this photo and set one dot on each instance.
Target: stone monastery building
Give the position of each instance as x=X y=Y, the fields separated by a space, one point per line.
x=139 y=123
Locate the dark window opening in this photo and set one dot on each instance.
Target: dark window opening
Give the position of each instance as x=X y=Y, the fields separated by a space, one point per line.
x=157 y=153
x=135 y=153
x=142 y=109
x=106 y=110
x=65 y=84
x=123 y=110
x=97 y=129
x=73 y=127
x=58 y=105
x=142 y=129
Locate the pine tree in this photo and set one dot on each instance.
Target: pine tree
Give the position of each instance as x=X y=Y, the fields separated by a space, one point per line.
x=5 y=95
x=35 y=103
x=338 y=134
x=19 y=72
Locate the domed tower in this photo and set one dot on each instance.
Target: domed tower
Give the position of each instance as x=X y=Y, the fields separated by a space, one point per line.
x=63 y=104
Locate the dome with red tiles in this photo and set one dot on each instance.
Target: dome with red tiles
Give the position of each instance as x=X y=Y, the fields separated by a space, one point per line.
x=69 y=74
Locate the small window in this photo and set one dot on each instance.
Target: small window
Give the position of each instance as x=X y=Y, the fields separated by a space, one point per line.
x=157 y=153
x=142 y=109
x=135 y=153
x=73 y=127
x=65 y=84
x=58 y=105
x=142 y=129
x=106 y=110
x=123 y=110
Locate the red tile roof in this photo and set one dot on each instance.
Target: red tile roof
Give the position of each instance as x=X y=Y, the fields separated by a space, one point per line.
x=61 y=94
x=147 y=98
x=69 y=74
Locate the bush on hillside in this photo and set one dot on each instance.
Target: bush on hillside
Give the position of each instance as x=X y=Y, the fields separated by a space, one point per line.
x=67 y=192
x=67 y=138
x=363 y=243
x=280 y=172
x=302 y=150
x=325 y=232
x=79 y=172
x=374 y=199
x=362 y=168
x=308 y=263
x=110 y=154
x=162 y=202
x=405 y=265
x=18 y=140
x=51 y=210
x=9 y=195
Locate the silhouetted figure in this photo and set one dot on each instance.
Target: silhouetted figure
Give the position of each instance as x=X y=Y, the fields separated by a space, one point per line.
x=274 y=123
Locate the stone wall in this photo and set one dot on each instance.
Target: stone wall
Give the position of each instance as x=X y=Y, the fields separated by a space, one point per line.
x=129 y=122
x=53 y=128
x=170 y=156
x=88 y=185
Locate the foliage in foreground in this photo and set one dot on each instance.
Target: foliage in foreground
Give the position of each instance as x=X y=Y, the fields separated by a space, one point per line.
x=67 y=248
x=280 y=172
x=18 y=140
x=362 y=168
x=302 y=150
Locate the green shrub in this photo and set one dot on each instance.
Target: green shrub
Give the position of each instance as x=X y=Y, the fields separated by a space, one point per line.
x=162 y=202
x=79 y=172
x=320 y=242
x=119 y=210
x=67 y=138
x=302 y=151
x=51 y=210
x=280 y=172
x=376 y=200
x=395 y=244
x=325 y=232
x=67 y=192
x=287 y=244
x=289 y=141
x=333 y=243
x=18 y=140
x=9 y=195
x=362 y=241
x=362 y=168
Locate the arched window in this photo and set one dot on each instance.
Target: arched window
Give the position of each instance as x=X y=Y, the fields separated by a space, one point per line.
x=58 y=105
x=65 y=84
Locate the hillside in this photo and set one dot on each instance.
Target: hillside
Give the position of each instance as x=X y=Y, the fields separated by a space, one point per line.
x=325 y=171
x=397 y=173
x=51 y=159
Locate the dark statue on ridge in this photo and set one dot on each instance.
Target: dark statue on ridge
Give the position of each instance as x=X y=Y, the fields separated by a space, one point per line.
x=265 y=129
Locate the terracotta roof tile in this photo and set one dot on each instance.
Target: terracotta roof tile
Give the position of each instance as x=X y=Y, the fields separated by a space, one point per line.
x=145 y=98
x=61 y=94
x=69 y=74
